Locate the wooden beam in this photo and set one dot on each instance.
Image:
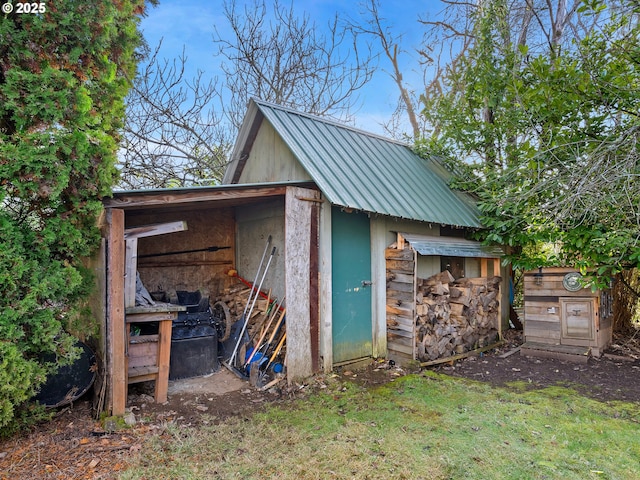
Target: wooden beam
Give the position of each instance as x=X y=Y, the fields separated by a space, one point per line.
x=131 y=236
x=115 y=312
x=175 y=199
x=298 y=244
x=462 y=355
x=155 y=229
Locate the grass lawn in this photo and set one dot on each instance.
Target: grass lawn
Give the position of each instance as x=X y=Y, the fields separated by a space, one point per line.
x=427 y=426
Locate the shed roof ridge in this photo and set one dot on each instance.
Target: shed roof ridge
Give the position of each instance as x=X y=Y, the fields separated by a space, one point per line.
x=330 y=121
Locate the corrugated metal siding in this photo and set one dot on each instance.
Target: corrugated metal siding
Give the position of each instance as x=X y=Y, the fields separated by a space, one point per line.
x=448 y=246
x=362 y=171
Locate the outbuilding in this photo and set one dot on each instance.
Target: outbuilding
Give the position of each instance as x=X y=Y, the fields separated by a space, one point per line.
x=331 y=199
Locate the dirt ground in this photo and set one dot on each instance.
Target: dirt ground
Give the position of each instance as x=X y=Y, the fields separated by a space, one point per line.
x=75 y=446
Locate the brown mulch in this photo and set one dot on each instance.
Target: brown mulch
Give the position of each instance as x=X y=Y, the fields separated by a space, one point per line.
x=613 y=376
x=75 y=446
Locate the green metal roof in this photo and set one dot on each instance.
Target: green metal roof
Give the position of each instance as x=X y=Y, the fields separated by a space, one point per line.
x=363 y=171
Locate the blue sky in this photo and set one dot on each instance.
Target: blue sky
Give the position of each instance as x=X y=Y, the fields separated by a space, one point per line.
x=190 y=23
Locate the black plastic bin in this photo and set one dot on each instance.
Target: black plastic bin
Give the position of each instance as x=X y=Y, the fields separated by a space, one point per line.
x=194 y=339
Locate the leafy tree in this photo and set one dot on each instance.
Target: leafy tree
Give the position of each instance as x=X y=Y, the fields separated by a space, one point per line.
x=63 y=77
x=554 y=133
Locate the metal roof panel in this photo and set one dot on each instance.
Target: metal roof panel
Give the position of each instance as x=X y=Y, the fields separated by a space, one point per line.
x=360 y=170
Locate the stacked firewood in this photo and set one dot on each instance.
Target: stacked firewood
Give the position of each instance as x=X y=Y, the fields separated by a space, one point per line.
x=236 y=297
x=455 y=316
x=265 y=328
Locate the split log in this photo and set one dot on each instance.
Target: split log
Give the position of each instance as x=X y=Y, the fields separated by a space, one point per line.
x=455 y=316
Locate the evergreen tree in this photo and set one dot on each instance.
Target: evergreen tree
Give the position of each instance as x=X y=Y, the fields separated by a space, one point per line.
x=64 y=72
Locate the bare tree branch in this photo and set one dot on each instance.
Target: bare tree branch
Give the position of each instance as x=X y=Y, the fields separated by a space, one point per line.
x=287 y=61
x=173 y=133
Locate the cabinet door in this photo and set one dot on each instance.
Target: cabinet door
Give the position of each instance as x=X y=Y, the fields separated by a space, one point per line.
x=577 y=318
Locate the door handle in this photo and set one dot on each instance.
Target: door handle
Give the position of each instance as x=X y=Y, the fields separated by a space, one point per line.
x=367 y=283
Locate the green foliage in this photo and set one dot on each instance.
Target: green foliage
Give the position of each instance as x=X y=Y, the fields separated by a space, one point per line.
x=63 y=77
x=553 y=140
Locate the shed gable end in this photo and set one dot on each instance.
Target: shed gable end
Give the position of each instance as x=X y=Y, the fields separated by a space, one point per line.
x=271 y=160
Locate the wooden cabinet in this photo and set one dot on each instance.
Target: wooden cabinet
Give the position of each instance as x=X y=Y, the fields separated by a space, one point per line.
x=563 y=318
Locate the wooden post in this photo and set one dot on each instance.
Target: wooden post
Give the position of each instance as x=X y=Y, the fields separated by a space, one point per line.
x=164 y=352
x=484 y=267
x=131 y=268
x=115 y=312
x=298 y=244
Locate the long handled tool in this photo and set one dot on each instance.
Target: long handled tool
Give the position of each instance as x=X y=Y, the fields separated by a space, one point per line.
x=276 y=351
x=248 y=315
x=263 y=334
x=206 y=249
x=260 y=370
x=252 y=285
x=265 y=348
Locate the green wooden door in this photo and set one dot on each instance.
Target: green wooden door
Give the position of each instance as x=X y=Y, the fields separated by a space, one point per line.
x=351 y=295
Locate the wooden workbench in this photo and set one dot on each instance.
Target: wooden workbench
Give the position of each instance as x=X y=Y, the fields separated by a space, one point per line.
x=147 y=356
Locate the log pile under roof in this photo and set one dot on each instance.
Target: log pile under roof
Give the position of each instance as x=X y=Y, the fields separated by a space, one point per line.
x=455 y=316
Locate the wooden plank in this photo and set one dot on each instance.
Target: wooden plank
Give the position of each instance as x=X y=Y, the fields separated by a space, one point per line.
x=397 y=310
x=142 y=374
x=135 y=339
x=510 y=352
x=542 y=318
x=297 y=248
x=143 y=354
x=398 y=347
x=314 y=286
x=395 y=254
x=462 y=355
x=570 y=349
x=400 y=327
x=401 y=266
x=535 y=324
x=484 y=268
x=392 y=346
x=131 y=268
x=405 y=320
x=164 y=354
x=397 y=332
x=402 y=297
x=402 y=278
x=155 y=229
x=214 y=194
x=550 y=292
x=531 y=352
x=400 y=287
x=115 y=311
x=548 y=334
x=183 y=263
x=539 y=308
x=150 y=317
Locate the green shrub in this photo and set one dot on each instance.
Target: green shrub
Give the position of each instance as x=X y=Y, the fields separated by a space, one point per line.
x=64 y=74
